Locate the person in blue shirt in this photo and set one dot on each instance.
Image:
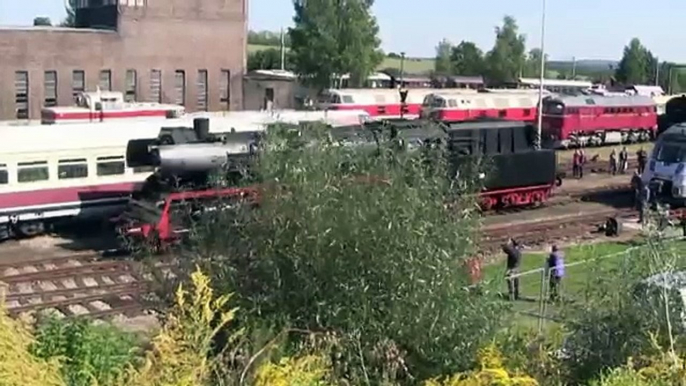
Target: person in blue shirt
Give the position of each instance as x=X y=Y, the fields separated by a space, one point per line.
x=556 y=270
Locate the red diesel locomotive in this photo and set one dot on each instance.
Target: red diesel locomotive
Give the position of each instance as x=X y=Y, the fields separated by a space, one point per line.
x=591 y=120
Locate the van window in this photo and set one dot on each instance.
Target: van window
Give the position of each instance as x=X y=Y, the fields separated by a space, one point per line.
x=110 y=166
x=32 y=171
x=72 y=168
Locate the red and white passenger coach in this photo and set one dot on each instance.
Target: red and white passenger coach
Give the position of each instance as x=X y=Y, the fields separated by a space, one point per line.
x=448 y=105
x=79 y=170
x=378 y=102
x=593 y=120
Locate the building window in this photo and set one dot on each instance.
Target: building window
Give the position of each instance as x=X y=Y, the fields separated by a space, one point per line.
x=21 y=94
x=130 y=92
x=180 y=87
x=110 y=166
x=225 y=90
x=156 y=86
x=50 y=88
x=4 y=175
x=106 y=80
x=32 y=171
x=78 y=82
x=72 y=168
x=202 y=90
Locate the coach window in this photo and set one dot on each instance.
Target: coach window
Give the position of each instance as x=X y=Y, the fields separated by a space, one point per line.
x=110 y=166
x=4 y=176
x=348 y=99
x=32 y=171
x=72 y=168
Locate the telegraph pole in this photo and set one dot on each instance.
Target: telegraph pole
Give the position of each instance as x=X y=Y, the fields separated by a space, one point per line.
x=283 y=50
x=402 y=90
x=541 y=80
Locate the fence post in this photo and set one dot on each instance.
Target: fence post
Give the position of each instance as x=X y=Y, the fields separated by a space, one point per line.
x=541 y=301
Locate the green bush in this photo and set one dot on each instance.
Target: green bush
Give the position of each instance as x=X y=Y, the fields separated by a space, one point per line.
x=89 y=353
x=360 y=242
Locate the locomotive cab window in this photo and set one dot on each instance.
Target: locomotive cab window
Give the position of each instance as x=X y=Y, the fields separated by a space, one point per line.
x=110 y=166
x=347 y=99
x=4 y=175
x=32 y=171
x=72 y=168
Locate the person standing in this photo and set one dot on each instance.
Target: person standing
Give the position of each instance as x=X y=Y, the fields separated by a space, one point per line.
x=582 y=161
x=636 y=184
x=576 y=158
x=623 y=160
x=642 y=157
x=613 y=162
x=514 y=258
x=644 y=202
x=556 y=272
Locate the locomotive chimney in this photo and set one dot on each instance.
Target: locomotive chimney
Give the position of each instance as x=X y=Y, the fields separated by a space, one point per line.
x=201 y=126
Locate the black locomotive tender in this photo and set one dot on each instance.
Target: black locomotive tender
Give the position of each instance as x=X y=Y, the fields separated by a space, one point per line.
x=515 y=173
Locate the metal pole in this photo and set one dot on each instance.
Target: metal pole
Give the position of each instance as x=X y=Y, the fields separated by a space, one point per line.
x=402 y=69
x=283 y=51
x=542 y=78
x=574 y=68
x=657 y=71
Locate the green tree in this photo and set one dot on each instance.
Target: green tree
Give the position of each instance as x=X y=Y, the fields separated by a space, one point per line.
x=532 y=69
x=269 y=59
x=329 y=250
x=507 y=59
x=42 y=21
x=334 y=38
x=442 y=64
x=637 y=65
x=467 y=59
x=70 y=20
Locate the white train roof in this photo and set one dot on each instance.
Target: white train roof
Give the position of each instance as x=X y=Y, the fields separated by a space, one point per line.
x=489 y=100
x=599 y=100
x=39 y=138
x=379 y=96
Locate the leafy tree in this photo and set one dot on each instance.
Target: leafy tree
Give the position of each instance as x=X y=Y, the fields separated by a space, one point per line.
x=267 y=38
x=70 y=20
x=637 y=65
x=533 y=63
x=507 y=59
x=334 y=38
x=359 y=243
x=467 y=59
x=442 y=65
x=42 y=21
x=269 y=59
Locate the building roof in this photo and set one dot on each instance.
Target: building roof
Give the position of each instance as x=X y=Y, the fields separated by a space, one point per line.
x=648 y=90
x=55 y=29
x=555 y=82
x=467 y=79
x=272 y=74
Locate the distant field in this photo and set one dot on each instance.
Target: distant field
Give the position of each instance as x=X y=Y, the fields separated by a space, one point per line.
x=412 y=65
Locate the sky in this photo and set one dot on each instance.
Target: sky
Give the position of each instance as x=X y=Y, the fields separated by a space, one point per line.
x=585 y=29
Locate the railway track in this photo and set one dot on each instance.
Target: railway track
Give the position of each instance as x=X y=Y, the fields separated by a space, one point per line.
x=531 y=233
x=77 y=285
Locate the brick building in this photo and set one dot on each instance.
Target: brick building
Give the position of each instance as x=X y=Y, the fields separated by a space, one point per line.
x=171 y=51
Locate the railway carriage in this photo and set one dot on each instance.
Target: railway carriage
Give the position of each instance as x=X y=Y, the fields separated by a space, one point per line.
x=50 y=173
x=593 y=120
x=378 y=103
x=516 y=105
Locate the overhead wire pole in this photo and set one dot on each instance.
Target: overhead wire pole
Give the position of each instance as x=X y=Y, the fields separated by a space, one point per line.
x=541 y=79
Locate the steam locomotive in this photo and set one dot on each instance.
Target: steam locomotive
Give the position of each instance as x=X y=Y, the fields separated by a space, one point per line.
x=518 y=174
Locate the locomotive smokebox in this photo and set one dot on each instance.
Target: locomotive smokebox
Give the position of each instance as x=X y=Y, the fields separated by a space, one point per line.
x=201 y=126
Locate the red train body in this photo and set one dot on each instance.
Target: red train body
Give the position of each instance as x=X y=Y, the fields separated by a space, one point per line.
x=592 y=120
x=166 y=221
